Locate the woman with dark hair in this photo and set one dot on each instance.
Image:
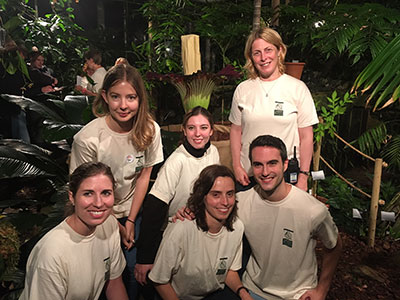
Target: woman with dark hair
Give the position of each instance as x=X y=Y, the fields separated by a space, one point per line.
x=198 y=257
x=43 y=81
x=81 y=255
x=174 y=184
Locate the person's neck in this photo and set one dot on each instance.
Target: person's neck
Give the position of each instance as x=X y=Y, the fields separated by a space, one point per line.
x=275 y=195
x=78 y=226
x=95 y=67
x=214 y=226
x=193 y=151
x=119 y=127
x=272 y=77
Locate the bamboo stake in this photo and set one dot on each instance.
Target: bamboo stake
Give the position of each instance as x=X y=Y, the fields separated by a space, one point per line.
x=316 y=159
x=373 y=211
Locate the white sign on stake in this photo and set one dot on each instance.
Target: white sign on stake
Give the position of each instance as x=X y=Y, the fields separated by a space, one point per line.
x=388 y=216
x=318 y=175
x=356 y=214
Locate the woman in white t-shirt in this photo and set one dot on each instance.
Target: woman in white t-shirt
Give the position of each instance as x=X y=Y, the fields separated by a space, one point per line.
x=174 y=184
x=81 y=255
x=198 y=257
x=271 y=102
x=125 y=137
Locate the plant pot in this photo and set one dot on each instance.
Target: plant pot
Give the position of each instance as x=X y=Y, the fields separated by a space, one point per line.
x=294 y=69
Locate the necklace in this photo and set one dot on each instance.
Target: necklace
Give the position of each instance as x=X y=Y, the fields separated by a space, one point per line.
x=270 y=89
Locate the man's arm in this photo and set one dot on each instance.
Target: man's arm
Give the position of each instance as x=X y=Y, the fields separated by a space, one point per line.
x=329 y=262
x=166 y=291
x=115 y=289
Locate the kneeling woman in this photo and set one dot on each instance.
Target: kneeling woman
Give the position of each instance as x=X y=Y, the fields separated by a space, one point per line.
x=196 y=258
x=82 y=254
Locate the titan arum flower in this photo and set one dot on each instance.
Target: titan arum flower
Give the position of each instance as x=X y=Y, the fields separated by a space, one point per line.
x=196 y=89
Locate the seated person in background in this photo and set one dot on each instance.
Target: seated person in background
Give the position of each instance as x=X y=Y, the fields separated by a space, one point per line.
x=81 y=255
x=93 y=62
x=43 y=81
x=197 y=258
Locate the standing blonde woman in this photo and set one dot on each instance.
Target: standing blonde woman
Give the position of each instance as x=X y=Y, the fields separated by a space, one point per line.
x=271 y=102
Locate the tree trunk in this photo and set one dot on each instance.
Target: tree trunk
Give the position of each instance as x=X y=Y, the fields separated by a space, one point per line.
x=256 y=14
x=275 y=12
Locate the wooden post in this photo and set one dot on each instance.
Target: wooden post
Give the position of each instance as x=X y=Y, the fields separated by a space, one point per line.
x=373 y=211
x=316 y=159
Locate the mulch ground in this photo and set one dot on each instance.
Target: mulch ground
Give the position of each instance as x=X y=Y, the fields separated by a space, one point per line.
x=367 y=274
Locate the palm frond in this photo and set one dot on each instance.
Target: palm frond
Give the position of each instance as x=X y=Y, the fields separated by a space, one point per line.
x=372 y=139
x=391 y=153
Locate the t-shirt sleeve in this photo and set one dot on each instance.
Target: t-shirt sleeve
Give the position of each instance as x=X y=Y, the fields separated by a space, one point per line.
x=154 y=153
x=327 y=231
x=44 y=284
x=235 y=115
x=237 y=261
x=80 y=153
x=117 y=258
x=167 y=180
x=307 y=114
x=169 y=255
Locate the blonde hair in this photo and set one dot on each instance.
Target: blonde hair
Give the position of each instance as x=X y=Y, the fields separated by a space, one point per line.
x=143 y=125
x=270 y=36
x=121 y=60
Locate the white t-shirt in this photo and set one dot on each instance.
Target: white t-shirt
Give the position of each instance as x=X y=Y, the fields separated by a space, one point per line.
x=97 y=142
x=282 y=236
x=98 y=78
x=288 y=107
x=67 y=265
x=176 y=177
x=197 y=262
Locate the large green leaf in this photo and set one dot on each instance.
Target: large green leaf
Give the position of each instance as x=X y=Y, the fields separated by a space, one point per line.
x=383 y=73
x=26 y=103
x=19 y=159
x=57 y=131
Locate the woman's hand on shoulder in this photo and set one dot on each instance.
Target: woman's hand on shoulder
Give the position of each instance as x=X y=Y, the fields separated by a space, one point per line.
x=182 y=214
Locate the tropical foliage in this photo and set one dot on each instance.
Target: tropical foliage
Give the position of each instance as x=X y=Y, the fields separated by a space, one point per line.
x=381 y=78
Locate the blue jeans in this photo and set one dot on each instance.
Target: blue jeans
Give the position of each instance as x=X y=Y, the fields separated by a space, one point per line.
x=255 y=296
x=128 y=276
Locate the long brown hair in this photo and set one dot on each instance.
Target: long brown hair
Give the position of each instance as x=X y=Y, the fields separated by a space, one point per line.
x=270 y=36
x=143 y=125
x=201 y=187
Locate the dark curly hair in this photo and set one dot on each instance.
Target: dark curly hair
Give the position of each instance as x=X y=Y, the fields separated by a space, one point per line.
x=201 y=187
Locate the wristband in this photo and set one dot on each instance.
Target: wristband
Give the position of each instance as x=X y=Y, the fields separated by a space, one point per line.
x=129 y=220
x=241 y=288
x=304 y=172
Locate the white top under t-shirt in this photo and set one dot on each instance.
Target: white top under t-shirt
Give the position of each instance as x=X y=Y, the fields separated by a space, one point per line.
x=196 y=262
x=70 y=266
x=98 y=143
x=282 y=236
x=176 y=177
x=288 y=107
